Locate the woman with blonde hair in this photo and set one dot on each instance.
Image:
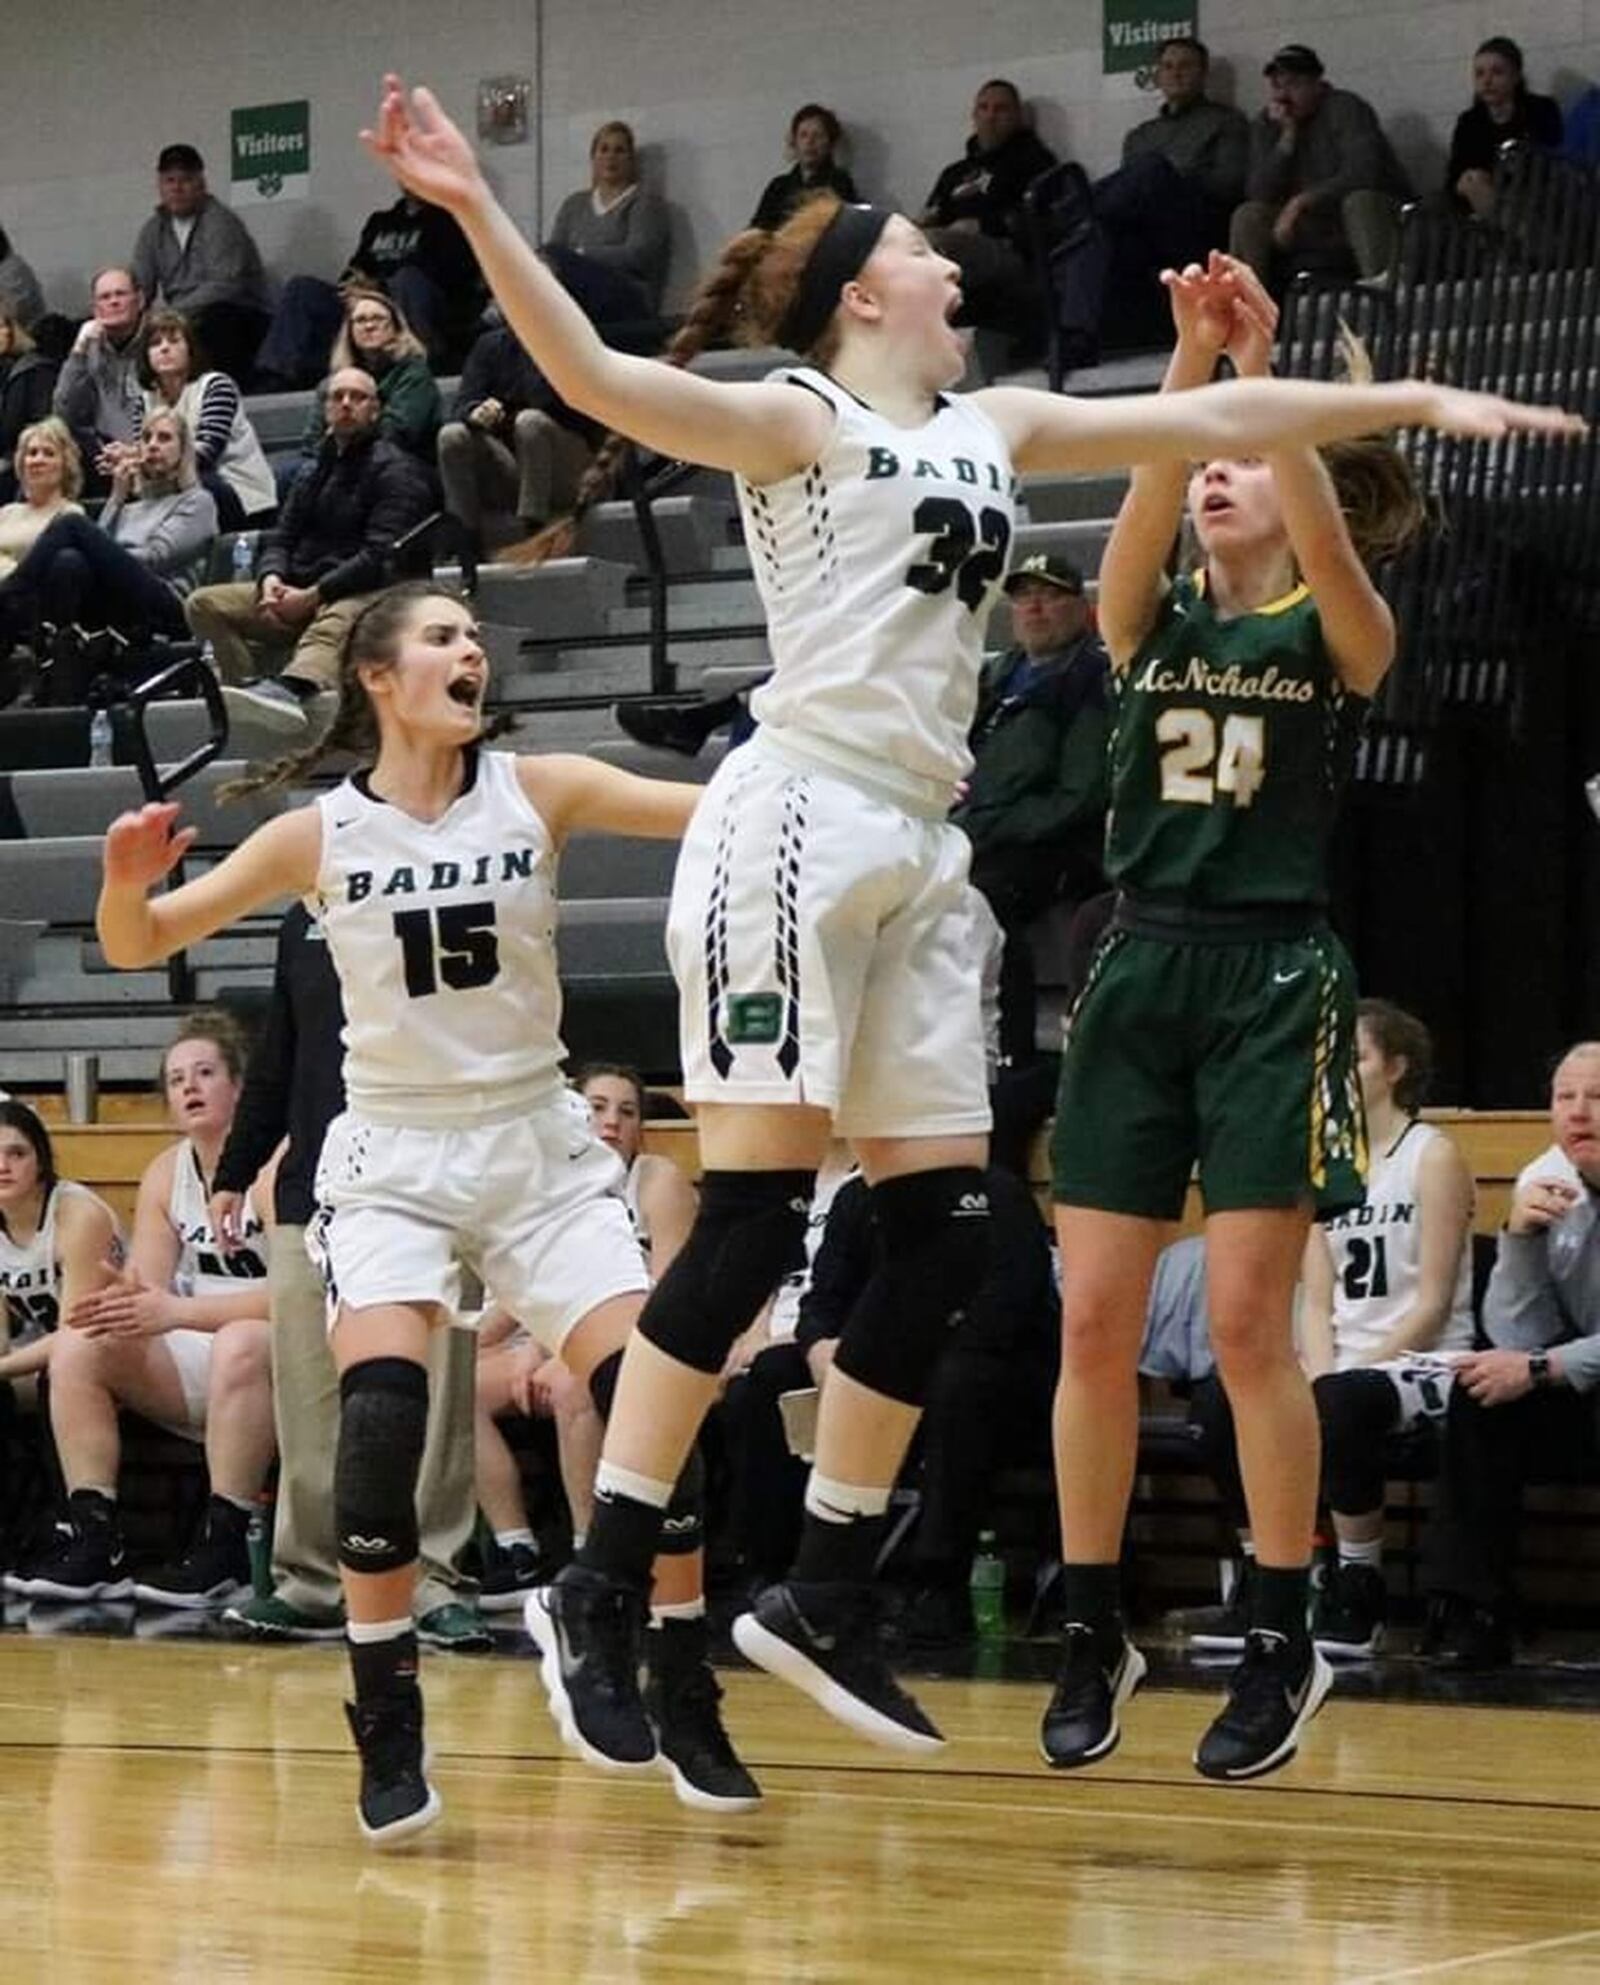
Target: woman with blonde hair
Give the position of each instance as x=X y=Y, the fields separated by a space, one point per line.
x=615 y=227
x=376 y=338
x=49 y=472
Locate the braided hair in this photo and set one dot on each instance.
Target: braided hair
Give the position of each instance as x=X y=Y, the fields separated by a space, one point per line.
x=747 y=295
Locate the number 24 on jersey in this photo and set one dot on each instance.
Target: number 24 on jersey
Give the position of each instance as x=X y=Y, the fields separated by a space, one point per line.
x=1196 y=764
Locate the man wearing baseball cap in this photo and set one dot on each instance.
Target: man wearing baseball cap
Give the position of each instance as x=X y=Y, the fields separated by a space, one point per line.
x=1325 y=187
x=1034 y=807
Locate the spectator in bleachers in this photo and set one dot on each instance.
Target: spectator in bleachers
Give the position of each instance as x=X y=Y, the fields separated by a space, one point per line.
x=49 y=473
x=97 y=394
x=412 y=252
x=974 y=213
x=179 y=1335
x=660 y=1200
x=512 y=453
x=1325 y=187
x=1528 y=1404
x=196 y=255
x=1182 y=175
x=376 y=337
x=294 y=1088
x=1581 y=128
x=815 y=134
x=228 y=456
x=610 y=241
x=1503 y=109
x=1034 y=806
x=331 y=549
x=27 y=386
x=127 y=569
x=21 y=298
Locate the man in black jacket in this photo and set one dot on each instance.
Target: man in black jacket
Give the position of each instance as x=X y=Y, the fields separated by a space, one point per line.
x=333 y=547
x=974 y=213
x=512 y=453
x=295 y=1087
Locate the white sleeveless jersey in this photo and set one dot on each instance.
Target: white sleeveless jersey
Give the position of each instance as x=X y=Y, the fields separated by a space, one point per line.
x=203 y=1268
x=877 y=566
x=443 y=935
x=1377 y=1258
x=30 y=1275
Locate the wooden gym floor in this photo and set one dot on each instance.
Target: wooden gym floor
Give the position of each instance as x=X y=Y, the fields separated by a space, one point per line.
x=184 y=1811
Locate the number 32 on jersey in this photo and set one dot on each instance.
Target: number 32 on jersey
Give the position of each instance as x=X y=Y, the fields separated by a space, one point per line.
x=1196 y=764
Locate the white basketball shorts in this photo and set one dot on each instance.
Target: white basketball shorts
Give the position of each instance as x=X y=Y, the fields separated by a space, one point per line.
x=532 y=1205
x=828 y=949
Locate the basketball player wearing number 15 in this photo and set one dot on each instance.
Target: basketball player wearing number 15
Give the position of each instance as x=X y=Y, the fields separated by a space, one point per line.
x=822 y=926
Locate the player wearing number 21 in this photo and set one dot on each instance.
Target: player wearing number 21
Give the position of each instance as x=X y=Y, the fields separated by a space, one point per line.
x=822 y=928
x=1218 y=1021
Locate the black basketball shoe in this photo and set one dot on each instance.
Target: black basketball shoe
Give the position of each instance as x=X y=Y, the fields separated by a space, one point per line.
x=684 y=1702
x=85 y=1561
x=1348 y=1618
x=211 y=1574
x=1082 y=1722
x=824 y=1640
x=396 y=1799
x=588 y=1630
x=1276 y=1690
x=510 y=1573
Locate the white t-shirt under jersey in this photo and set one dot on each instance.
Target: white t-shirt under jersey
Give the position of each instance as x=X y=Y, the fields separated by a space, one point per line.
x=205 y=1267
x=1377 y=1258
x=443 y=936
x=30 y=1274
x=877 y=567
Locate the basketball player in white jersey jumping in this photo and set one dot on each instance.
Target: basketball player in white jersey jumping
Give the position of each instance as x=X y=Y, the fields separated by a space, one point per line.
x=1388 y=1313
x=432 y=872
x=822 y=931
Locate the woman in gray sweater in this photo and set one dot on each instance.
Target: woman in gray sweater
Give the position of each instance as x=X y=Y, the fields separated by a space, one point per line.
x=615 y=224
x=130 y=569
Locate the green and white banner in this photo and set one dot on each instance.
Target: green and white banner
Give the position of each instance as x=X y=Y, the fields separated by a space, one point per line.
x=1135 y=30
x=271 y=153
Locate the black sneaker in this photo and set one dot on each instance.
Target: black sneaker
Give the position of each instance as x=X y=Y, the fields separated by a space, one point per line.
x=84 y=1562
x=1081 y=1724
x=1276 y=1690
x=588 y=1630
x=683 y=1699
x=1470 y=1640
x=1348 y=1618
x=824 y=1640
x=1221 y=1629
x=509 y=1575
x=211 y=1574
x=396 y=1798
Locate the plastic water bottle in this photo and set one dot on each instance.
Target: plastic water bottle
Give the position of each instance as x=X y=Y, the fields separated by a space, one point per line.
x=244 y=561
x=988 y=1590
x=101 y=740
x=258 y=1542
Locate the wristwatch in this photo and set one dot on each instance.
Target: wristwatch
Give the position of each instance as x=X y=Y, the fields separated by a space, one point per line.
x=1539 y=1367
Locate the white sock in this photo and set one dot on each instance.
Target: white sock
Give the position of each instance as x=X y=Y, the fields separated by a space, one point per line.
x=842 y=1502
x=506 y=1538
x=367 y=1633
x=610 y=1481
x=685 y=1609
x=579 y=1539
x=1361 y=1554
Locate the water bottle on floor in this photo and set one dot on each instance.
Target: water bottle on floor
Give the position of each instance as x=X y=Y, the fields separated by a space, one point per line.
x=988 y=1588
x=101 y=740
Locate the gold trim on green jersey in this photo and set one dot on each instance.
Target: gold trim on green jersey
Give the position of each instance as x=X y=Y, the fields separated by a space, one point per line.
x=1281 y=605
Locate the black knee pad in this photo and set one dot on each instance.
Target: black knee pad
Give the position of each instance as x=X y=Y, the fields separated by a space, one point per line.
x=603 y=1384
x=932 y=1253
x=749 y=1233
x=683 y=1528
x=383 y=1422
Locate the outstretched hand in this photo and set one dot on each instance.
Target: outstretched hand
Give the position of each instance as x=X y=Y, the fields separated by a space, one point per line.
x=1202 y=304
x=423 y=149
x=1487 y=417
x=142 y=847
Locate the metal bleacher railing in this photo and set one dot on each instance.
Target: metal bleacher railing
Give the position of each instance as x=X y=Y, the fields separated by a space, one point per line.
x=1508 y=305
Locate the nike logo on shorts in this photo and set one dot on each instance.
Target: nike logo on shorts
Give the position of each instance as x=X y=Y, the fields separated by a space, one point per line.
x=1287 y=978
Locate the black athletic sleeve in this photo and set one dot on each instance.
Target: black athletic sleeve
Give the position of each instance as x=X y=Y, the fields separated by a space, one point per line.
x=840 y=1271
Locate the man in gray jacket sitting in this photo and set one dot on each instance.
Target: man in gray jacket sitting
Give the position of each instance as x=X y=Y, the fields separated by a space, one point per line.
x=1325 y=188
x=196 y=255
x=97 y=393
x=1533 y=1401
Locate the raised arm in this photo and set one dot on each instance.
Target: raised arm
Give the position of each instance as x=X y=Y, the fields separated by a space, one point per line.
x=136 y=929
x=762 y=432
x=576 y=795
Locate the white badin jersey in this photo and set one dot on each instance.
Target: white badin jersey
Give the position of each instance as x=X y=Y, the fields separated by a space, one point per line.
x=878 y=566
x=1377 y=1258
x=30 y=1274
x=443 y=936
x=204 y=1267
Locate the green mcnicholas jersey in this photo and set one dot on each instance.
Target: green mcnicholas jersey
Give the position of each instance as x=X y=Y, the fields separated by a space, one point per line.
x=1231 y=742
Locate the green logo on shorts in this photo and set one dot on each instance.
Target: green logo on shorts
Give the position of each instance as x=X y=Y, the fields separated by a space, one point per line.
x=755 y=1019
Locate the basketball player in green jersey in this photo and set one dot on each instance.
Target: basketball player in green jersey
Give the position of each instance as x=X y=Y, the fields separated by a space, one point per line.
x=1218 y=1020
